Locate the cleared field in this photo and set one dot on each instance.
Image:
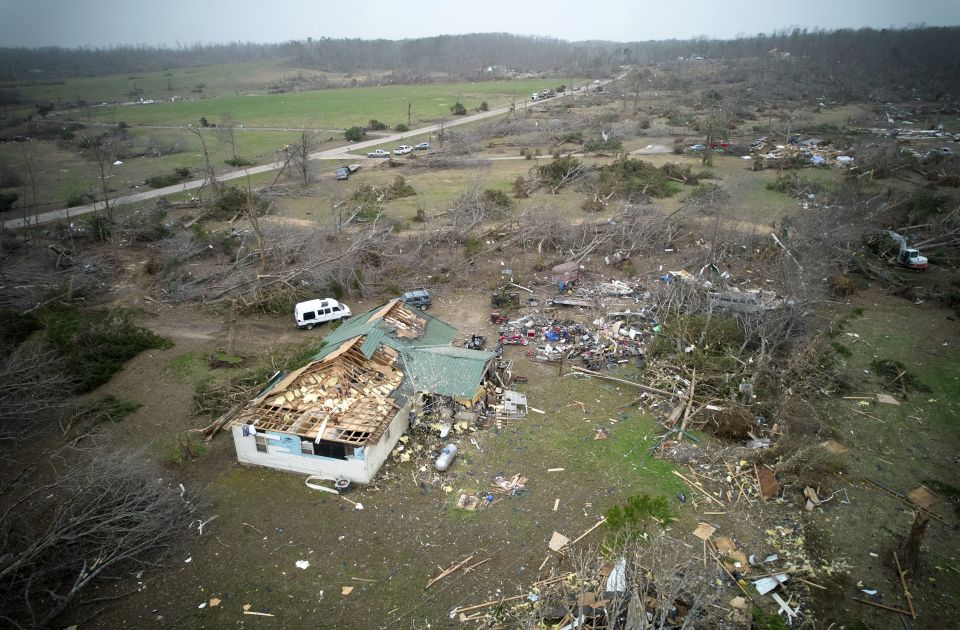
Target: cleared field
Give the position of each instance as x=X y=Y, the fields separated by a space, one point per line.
x=217 y=80
x=325 y=109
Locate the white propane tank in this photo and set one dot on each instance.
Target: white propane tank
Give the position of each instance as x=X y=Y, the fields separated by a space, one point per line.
x=446 y=456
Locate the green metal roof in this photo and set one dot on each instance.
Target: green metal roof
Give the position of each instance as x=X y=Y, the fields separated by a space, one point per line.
x=435 y=333
x=429 y=362
x=445 y=370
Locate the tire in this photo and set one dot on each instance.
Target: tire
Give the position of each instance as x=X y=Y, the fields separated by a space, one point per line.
x=309 y=326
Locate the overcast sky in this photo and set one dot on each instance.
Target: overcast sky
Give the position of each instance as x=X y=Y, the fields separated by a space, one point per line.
x=166 y=22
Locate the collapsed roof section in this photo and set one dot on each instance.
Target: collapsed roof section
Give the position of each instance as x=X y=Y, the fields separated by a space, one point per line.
x=343 y=397
x=394 y=324
x=422 y=343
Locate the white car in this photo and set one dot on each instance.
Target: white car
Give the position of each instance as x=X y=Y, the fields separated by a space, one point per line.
x=403 y=149
x=379 y=153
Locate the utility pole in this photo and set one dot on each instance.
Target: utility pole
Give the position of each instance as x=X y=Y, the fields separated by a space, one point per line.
x=409 y=105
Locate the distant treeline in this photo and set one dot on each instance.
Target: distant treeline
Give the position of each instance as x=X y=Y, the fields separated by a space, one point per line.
x=920 y=58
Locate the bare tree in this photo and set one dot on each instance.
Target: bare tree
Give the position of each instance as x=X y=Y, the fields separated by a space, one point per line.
x=28 y=155
x=105 y=514
x=210 y=173
x=226 y=131
x=105 y=151
x=298 y=156
x=34 y=388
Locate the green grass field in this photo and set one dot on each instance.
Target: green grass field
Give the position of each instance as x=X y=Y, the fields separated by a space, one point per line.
x=329 y=109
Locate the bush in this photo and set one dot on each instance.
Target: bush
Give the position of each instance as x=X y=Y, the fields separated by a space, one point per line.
x=80 y=199
x=96 y=345
x=400 y=188
x=168 y=179
x=238 y=161
x=484 y=107
x=7 y=199
x=234 y=200
x=401 y=128
x=633 y=518
x=497 y=198
x=599 y=144
x=628 y=177
x=554 y=172
x=457 y=109
x=376 y=125
x=354 y=134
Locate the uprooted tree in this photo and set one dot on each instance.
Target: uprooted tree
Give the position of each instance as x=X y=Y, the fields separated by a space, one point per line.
x=104 y=515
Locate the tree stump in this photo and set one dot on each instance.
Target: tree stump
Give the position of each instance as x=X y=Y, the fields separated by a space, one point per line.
x=910 y=547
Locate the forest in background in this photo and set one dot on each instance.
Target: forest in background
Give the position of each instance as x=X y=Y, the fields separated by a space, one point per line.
x=923 y=59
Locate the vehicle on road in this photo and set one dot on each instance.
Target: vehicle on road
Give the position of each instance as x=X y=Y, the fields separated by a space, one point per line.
x=423 y=146
x=403 y=149
x=345 y=171
x=379 y=153
x=418 y=298
x=314 y=312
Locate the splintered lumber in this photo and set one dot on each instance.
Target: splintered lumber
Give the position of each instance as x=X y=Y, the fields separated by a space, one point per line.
x=646 y=388
x=698 y=487
x=584 y=534
x=903 y=584
x=492 y=602
x=885 y=488
x=686 y=410
x=885 y=607
x=449 y=570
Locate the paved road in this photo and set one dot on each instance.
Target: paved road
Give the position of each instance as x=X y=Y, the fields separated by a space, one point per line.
x=337 y=153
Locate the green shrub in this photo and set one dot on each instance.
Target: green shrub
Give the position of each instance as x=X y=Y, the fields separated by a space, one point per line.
x=96 y=345
x=354 y=134
x=401 y=128
x=400 y=188
x=79 y=199
x=167 y=179
x=599 y=144
x=495 y=197
x=472 y=246
x=376 y=125
x=574 y=137
x=484 y=107
x=553 y=173
x=238 y=161
x=627 y=177
x=457 y=109
x=633 y=518
x=766 y=621
x=233 y=201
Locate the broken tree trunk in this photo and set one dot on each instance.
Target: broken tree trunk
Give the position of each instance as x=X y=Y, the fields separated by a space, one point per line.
x=910 y=548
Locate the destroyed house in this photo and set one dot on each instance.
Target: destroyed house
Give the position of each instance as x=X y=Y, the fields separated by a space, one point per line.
x=340 y=415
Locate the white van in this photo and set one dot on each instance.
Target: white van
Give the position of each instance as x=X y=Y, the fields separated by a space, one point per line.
x=312 y=312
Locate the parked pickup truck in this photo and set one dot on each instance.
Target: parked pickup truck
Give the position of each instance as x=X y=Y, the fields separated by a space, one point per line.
x=379 y=153
x=345 y=171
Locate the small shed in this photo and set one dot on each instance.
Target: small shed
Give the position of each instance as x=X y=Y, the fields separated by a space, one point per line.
x=566 y=273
